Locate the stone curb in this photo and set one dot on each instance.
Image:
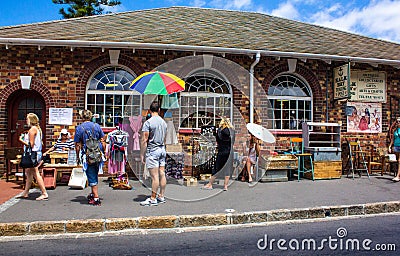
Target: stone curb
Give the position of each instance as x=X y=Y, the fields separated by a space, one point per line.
x=187 y=221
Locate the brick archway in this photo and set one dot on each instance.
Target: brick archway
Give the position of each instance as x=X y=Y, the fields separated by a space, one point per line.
x=37 y=86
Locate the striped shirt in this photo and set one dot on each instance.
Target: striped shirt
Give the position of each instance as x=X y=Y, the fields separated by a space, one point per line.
x=59 y=146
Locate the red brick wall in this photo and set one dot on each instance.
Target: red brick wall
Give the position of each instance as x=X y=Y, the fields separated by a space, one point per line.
x=60 y=76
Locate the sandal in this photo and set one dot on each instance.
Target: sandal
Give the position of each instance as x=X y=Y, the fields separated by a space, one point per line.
x=23 y=196
x=207 y=188
x=42 y=198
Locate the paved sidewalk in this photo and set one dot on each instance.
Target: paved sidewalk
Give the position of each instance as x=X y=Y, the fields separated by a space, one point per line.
x=312 y=197
x=66 y=204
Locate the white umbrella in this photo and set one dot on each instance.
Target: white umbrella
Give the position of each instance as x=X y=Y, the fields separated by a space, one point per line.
x=260 y=132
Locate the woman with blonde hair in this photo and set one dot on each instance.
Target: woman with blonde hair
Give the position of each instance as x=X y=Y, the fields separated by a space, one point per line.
x=34 y=138
x=225 y=138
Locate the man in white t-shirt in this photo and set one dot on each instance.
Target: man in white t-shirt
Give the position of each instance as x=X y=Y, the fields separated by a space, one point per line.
x=154 y=154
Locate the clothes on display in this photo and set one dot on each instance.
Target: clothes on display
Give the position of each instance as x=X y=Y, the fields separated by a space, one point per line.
x=171 y=137
x=116 y=151
x=147 y=100
x=170 y=101
x=135 y=125
x=174 y=165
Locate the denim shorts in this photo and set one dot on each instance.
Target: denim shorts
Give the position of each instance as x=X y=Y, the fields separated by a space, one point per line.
x=92 y=174
x=39 y=155
x=396 y=149
x=156 y=157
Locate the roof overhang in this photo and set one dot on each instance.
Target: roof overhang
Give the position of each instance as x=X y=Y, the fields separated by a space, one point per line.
x=40 y=43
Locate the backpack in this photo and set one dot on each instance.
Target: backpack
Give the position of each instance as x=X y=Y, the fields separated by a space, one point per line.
x=92 y=151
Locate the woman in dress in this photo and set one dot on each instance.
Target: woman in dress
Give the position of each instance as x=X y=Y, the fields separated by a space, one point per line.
x=225 y=138
x=34 y=138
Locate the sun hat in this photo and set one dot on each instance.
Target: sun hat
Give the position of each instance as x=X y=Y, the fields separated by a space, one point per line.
x=64 y=131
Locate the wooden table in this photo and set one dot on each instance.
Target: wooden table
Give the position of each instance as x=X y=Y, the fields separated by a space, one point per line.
x=58 y=155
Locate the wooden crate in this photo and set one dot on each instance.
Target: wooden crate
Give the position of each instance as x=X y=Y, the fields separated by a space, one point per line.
x=205 y=176
x=190 y=181
x=326 y=170
x=280 y=162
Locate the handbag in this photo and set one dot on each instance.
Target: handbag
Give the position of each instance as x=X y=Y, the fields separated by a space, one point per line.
x=29 y=158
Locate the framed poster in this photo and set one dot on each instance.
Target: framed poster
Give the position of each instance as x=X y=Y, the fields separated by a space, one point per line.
x=364 y=117
x=61 y=116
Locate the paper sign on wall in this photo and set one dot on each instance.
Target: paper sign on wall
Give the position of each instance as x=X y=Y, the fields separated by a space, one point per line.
x=61 y=116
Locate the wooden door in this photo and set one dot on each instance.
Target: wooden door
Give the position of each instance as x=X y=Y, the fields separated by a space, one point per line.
x=19 y=104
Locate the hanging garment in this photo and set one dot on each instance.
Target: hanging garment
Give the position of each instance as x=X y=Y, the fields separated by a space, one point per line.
x=117 y=151
x=170 y=101
x=171 y=137
x=136 y=124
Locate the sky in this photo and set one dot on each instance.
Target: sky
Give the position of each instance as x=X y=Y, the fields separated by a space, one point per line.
x=373 y=18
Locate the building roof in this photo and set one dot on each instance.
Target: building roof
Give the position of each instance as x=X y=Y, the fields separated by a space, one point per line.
x=200 y=27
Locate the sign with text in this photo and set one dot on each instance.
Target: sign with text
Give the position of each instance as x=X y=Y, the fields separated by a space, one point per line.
x=368 y=86
x=341 y=82
x=61 y=116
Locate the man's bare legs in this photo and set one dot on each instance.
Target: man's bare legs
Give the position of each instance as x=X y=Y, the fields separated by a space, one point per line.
x=158 y=180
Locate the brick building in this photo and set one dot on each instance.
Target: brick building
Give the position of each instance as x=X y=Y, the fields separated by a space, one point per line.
x=89 y=63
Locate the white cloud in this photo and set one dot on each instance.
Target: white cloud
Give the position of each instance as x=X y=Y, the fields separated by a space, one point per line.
x=286 y=10
x=198 y=3
x=232 y=5
x=379 y=19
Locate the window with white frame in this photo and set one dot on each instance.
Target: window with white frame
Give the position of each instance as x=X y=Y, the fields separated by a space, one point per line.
x=291 y=100
x=206 y=99
x=109 y=98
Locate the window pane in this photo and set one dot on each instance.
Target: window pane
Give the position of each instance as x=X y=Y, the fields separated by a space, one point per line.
x=117 y=104
x=292 y=101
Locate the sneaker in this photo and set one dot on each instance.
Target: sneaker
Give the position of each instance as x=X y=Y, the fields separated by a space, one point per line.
x=149 y=202
x=95 y=202
x=90 y=196
x=161 y=200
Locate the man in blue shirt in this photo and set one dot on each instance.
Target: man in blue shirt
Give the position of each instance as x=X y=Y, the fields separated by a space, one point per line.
x=82 y=132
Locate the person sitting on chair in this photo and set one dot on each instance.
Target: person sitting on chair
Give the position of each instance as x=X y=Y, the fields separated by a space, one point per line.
x=252 y=151
x=64 y=143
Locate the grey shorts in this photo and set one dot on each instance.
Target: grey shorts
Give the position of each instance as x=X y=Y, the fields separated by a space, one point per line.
x=156 y=157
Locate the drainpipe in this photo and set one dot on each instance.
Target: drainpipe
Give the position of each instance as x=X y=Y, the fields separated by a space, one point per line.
x=258 y=55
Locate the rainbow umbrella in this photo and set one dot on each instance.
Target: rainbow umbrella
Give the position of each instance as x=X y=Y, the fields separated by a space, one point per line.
x=156 y=82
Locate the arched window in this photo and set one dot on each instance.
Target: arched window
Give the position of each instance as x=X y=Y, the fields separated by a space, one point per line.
x=291 y=100
x=108 y=96
x=206 y=99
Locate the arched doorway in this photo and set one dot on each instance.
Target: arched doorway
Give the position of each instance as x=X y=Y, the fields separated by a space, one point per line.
x=19 y=104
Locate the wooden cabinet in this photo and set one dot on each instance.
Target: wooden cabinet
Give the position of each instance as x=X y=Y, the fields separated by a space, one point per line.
x=322 y=140
x=317 y=135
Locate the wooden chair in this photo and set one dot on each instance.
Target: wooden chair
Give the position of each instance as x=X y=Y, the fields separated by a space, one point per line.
x=12 y=162
x=389 y=162
x=357 y=158
x=375 y=160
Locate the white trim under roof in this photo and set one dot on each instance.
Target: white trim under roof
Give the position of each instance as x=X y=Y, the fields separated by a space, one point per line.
x=154 y=46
